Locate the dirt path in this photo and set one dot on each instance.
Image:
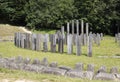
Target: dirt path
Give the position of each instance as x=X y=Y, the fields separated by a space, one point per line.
x=25 y=30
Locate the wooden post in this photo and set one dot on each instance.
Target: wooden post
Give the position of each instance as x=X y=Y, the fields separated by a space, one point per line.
x=90 y=45
x=69 y=44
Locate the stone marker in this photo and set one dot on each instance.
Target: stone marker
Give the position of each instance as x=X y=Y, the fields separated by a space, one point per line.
x=90 y=67
x=82 y=27
x=68 y=28
x=73 y=27
x=45 y=43
x=69 y=44
x=36 y=62
x=78 y=45
x=77 y=26
x=60 y=43
x=114 y=70
x=53 y=64
x=102 y=69
x=26 y=60
x=90 y=45
x=79 y=66
x=44 y=62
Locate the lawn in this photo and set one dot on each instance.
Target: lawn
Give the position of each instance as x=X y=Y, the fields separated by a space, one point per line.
x=108 y=48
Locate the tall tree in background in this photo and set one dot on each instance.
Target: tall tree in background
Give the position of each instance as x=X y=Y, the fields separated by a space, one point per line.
x=49 y=13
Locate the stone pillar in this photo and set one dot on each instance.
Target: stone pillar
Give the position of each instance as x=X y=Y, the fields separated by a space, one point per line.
x=85 y=39
x=90 y=45
x=79 y=66
x=82 y=27
x=101 y=35
x=78 y=45
x=63 y=33
x=77 y=26
x=98 y=39
x=60 y=43
x=33 y=41
x=69 y=44
x=73 y=27
x=68 y=28
x=116 y=38
x=38 y=42
x=53 y=43
x=45 y=43
x=87 y=31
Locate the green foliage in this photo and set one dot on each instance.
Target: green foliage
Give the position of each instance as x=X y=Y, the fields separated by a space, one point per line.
x=103 y=16
x=48 y=13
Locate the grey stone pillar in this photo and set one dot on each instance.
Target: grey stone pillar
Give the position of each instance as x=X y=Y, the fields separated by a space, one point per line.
x=69 y=44
x=90 y=45
x=77 y=26
x=45 y=43
x=82 y=27
x=78 y=45
x=68 y=28
x=87 y=31
x=60 y=43
x=73 y=27
x=53 y=43
x=98 y=39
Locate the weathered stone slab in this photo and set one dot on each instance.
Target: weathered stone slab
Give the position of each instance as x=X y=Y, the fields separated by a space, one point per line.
x=80 y=74
x=104 y=76
x=65 y=68
x=26 y=60
x=114 y=70
x=55 y=71
x=44 y=62
x=90 y=67
x=36 y=62
x=53 y=64
x=102 y=69
x=79 y=66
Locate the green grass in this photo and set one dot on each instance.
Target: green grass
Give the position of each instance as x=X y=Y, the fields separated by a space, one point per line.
x=108 y=47
x=34 y=77
x=8 y=30
x=43 y=31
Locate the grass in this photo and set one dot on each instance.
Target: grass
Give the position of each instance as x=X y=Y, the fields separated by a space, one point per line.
x=8 y=30
x=34 y=77
x=108 y=47
x=43 y=31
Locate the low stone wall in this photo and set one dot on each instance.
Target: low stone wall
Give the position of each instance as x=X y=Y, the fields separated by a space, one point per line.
x=43 y=66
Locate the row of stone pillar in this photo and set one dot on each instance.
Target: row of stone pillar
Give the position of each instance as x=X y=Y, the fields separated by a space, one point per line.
x=76 y=25
x=37 y=41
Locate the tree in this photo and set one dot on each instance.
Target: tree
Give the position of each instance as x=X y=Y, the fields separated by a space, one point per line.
x=48 y=13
